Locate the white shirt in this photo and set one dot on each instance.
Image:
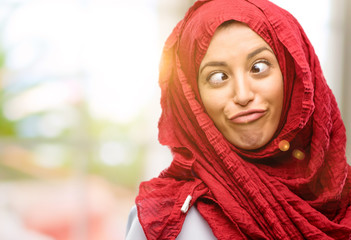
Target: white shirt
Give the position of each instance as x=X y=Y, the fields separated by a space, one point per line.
x=194 y=227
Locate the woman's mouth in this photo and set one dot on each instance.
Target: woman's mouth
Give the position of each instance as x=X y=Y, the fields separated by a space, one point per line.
x=248 y=116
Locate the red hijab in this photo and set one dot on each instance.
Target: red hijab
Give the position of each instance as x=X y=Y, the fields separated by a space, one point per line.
x=261 y=194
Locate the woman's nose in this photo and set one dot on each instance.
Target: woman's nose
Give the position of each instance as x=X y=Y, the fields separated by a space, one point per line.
x=243 y=93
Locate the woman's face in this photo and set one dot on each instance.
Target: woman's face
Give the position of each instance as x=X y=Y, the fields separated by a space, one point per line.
x=241 y=86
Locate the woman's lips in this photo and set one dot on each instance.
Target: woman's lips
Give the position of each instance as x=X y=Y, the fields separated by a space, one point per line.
x=248 y=116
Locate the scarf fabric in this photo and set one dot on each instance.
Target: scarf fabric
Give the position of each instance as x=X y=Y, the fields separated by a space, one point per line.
x=301 y=193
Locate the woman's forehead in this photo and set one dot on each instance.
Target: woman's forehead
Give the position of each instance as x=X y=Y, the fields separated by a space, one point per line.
x=235 y=39
x=205 y=21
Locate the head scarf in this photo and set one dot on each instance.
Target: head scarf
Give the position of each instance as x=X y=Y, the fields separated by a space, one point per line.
x=301 y=193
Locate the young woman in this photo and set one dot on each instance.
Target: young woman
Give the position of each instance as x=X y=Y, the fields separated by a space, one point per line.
x=256 y=134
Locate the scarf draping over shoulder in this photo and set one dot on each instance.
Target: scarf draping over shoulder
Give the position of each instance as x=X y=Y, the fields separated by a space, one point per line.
x=302 y=193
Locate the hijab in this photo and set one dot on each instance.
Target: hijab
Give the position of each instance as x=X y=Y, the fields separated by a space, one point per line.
x=302 y=192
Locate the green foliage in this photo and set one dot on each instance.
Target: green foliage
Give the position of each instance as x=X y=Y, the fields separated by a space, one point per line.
x=80 y=143
x=7 y=127
x=9 y=174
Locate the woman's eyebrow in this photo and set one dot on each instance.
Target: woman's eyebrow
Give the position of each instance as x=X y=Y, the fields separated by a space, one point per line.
x=257 y=51
x=223 y=64
x=213 y=64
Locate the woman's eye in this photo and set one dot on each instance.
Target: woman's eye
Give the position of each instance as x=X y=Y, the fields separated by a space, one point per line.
x=217 y=78
x=260 y=67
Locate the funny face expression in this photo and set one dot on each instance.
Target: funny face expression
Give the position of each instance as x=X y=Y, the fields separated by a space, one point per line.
x=241 y=86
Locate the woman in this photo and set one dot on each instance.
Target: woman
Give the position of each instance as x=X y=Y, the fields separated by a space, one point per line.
x=256 y=134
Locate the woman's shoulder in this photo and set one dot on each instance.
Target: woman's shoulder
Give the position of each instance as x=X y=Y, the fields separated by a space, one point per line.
x=194 y=227
x=134 y=229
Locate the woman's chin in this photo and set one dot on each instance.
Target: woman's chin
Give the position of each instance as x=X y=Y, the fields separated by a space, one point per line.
x=248 y=141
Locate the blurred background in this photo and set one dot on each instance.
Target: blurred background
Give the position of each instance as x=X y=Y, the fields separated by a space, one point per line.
x=79 y=103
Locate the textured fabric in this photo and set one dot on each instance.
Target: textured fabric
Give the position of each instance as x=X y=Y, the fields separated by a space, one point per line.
x=194 y=227
x=260 y=194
